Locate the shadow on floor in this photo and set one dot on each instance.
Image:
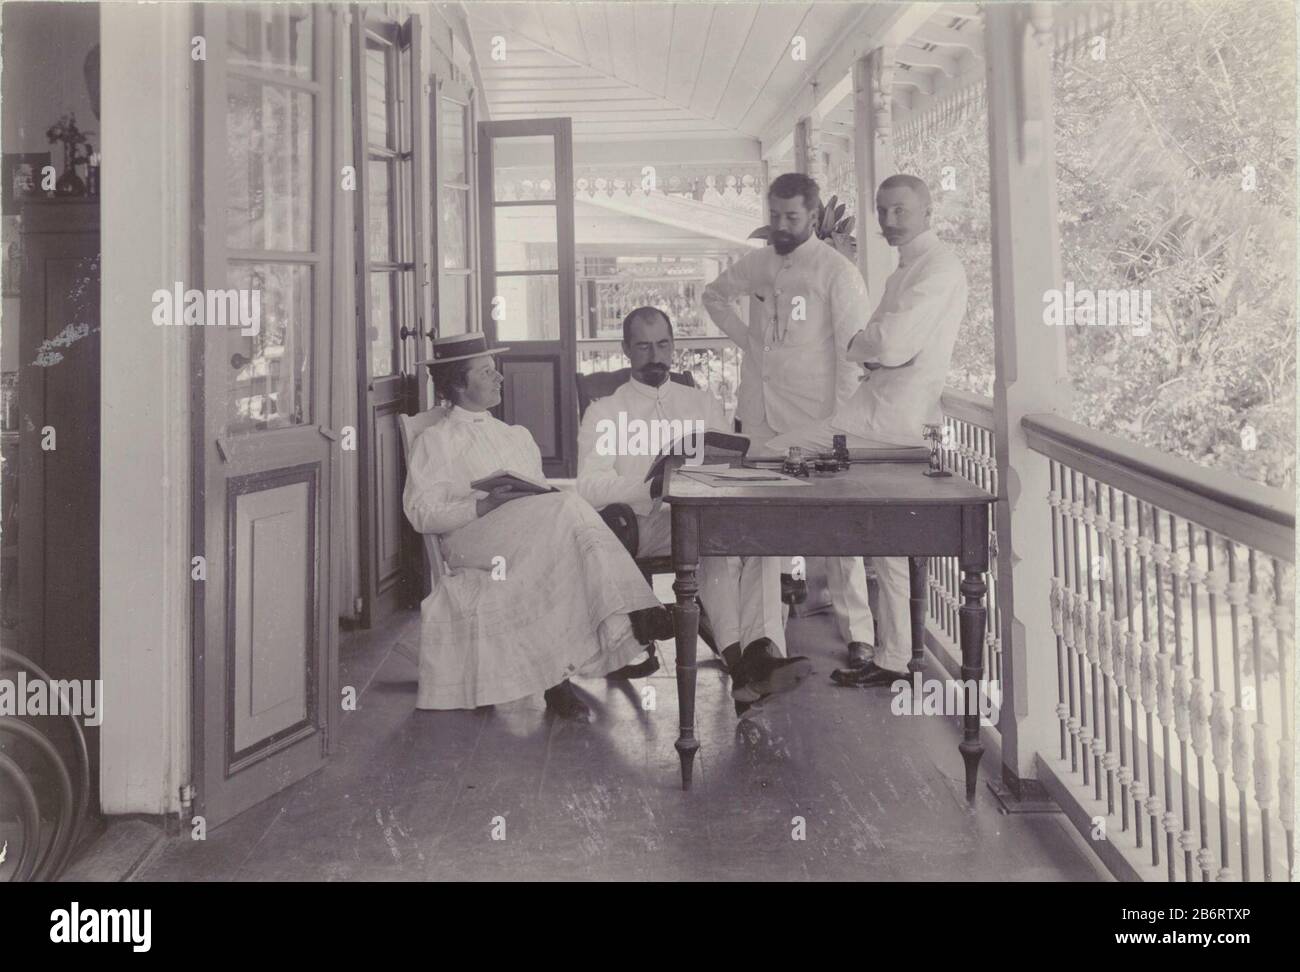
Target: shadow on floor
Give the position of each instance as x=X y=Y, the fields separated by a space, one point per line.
x=825 y=784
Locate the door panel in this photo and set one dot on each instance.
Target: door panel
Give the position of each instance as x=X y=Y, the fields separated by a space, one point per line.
x=393 y=293
x=273 y=566
x=526 y=228
x=531 y=398
x=266 y=651
x=390 y=519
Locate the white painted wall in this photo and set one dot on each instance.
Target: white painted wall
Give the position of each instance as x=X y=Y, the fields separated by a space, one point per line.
x=147 y=103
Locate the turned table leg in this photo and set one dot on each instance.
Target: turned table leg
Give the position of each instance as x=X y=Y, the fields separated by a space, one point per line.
x=971 y=619
x=686 y=619
x=919 y=582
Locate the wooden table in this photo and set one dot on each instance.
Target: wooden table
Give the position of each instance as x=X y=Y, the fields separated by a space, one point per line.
x=872 y=509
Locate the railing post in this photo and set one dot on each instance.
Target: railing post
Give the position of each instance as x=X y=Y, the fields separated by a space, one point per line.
x=873 y=161
x=1030 y=367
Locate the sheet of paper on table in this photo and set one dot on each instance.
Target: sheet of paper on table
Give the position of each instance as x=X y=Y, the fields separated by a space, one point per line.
x=717 y=476
x=879 y=454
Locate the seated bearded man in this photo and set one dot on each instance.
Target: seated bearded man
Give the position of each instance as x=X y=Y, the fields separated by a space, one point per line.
x=539 y=589
x=741 y=595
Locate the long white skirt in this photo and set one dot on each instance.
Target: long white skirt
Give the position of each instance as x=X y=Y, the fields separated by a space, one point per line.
x=557 y=607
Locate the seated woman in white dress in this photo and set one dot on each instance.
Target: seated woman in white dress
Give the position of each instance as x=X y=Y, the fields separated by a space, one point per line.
x=538 y=590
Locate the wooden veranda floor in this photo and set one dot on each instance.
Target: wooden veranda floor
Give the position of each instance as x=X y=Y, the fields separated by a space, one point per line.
x=413 y=795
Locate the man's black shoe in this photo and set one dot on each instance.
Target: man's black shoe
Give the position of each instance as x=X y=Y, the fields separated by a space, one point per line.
x=652 y=624
x=641 y=669
x=564 y=702
x=859 y=654
x=762 y=671
x=867 y=677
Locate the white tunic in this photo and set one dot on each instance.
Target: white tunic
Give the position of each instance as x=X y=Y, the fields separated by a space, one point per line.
x=538 y=589
x=620 y=478
x=794 y=369
x=911 y=335
x=741 y=595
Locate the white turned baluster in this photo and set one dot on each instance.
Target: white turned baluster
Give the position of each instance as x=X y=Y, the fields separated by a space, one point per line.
x=1200 y=716
x=1079 y=623
x=1220 y=729
x=1133 y=664
x=1263 y=769
x=1283 y=623
x=1117 y=641
x=1104 y=623
x=1240 y=749
x=1164 y=688
x=1149 y=675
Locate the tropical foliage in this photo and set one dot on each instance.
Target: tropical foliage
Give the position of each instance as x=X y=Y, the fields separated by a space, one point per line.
x=1175 y=174
x=831 y=225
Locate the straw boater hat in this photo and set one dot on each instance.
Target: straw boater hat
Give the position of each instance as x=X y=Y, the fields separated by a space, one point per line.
x=459 y=347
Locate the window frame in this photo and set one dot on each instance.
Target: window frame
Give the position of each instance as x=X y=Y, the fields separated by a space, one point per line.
x=468 y=277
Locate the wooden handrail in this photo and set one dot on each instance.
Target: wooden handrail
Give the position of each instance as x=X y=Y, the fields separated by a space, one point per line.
x=967 y=407
x=1259 y=516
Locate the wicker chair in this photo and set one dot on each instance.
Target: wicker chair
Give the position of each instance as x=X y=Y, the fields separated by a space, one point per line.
x=410 y=427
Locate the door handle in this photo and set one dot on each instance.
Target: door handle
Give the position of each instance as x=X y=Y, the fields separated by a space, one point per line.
x=328 y=433
x=238 y=361
x=407 y=332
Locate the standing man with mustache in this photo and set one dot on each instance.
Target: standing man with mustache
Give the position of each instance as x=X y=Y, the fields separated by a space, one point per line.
x=795 y=368
x=907 y=348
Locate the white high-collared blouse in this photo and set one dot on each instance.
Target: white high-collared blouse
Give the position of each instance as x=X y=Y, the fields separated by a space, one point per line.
x=463 y=447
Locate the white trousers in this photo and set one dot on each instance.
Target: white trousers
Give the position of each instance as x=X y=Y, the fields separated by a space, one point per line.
x=742 y=595
x=846 y=576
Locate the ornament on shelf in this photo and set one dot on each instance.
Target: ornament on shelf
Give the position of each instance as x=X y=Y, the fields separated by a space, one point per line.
x=77 y=150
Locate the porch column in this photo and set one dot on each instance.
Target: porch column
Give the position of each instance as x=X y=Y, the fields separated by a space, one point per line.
x=144 y=631
x=1030 y=366
x=873 y=161
x=808 y=147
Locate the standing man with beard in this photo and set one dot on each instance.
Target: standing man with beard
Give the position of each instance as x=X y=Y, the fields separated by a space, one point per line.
x=795 y=369
x=907 y=348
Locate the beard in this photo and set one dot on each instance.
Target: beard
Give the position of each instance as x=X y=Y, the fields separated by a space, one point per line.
x=784 y=242
x=653 y=374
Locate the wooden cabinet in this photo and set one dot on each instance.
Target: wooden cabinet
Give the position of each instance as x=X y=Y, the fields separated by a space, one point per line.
x=58 y=439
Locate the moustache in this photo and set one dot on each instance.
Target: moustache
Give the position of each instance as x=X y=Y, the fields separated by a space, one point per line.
x=653 y=374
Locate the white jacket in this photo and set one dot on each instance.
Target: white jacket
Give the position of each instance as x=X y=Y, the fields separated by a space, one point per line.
x=813 y=301
x=911 y=336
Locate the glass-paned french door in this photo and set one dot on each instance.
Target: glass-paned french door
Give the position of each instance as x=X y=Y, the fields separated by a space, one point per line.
x=457 y=290
x=265 y=642
x=392 y=223
x=393 y=288
x=525 y=172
